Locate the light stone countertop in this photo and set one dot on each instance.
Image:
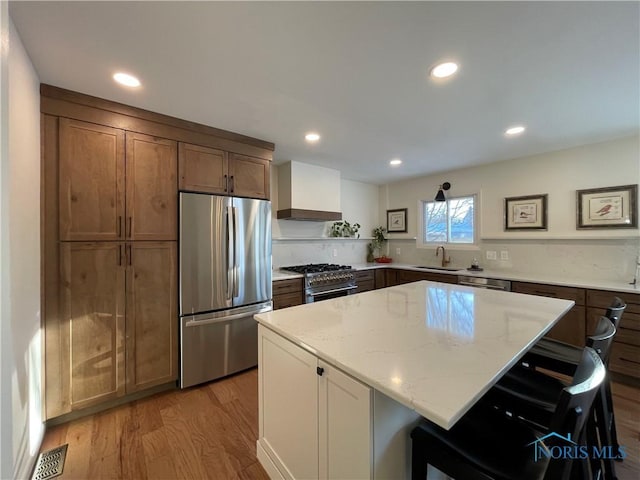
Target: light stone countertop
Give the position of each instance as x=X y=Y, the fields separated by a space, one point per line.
x=284 y=275
x=434 y=347
x=517 y=277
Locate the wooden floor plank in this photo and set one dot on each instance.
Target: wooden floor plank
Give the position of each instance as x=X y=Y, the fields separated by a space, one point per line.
x=184 y=452
x=210 y=432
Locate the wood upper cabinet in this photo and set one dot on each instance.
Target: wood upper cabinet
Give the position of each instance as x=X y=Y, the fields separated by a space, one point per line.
x=91 y=181
x=90 y=367
x=151 y=330
x=202 y=169
x=248 y=176
x=114 y=186
x=208 y=170
x=152 y=188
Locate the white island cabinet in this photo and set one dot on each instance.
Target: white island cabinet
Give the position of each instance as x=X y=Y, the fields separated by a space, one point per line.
x=314 y=420
x=342 y=382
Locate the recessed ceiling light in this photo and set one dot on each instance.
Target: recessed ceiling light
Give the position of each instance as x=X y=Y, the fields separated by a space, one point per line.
x=395 y=162
x=312 y=137
x=126 y=79
x=512 y=131
x=444 y=70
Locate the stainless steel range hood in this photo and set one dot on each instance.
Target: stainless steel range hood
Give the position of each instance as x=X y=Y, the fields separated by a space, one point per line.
x=308 y=192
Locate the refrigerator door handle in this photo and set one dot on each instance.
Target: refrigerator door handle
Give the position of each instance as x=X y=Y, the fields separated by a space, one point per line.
x=235 y=257
x=231 y=241
x=226 y=318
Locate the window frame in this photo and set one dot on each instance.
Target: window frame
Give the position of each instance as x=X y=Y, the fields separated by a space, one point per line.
x=420 y=238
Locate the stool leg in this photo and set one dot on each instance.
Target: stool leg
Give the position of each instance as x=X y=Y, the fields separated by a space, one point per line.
x=611 y=418
x=418 y=464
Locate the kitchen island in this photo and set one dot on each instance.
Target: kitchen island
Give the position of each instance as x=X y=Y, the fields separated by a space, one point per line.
x=342 y=382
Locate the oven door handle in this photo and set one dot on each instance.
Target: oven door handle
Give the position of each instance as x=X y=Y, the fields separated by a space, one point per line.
x=316 y=294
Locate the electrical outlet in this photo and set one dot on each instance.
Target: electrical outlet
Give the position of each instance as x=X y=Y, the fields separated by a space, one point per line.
x=398 y=251
x=492 y=255
x=504 y=255
x=335 y=252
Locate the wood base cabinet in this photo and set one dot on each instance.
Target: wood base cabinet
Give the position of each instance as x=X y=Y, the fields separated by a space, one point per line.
x=118 y=323
x=90 y=366
x=625 y=353
x=315 y=421
x=287 y=293
x=151 y=315
x=572 y=327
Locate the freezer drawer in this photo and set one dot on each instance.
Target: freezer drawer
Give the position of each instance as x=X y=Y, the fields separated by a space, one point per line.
x=218 y=344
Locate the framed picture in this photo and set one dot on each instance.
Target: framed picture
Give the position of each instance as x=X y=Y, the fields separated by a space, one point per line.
x=525 y=213
x=397 y=220
x=609 y=207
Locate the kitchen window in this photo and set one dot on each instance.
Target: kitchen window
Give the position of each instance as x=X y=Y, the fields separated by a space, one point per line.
x=450 y=222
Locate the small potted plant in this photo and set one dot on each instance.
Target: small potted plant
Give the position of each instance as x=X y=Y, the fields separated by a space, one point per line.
x=344 y=229
x=378 y=243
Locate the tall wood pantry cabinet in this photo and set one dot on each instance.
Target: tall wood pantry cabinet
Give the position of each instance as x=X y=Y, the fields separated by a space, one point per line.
x=109 y=240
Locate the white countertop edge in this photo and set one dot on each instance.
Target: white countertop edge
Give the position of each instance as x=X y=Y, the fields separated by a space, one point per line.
x=517 y=277
x=407 y=402
x=500 y=275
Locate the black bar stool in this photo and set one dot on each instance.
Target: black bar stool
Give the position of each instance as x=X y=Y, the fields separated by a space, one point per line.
x=486 y=444
x=563 y=358
x=531 y=396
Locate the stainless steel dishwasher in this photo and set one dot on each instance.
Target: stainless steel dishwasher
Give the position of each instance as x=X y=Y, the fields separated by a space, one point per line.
x=481 y=282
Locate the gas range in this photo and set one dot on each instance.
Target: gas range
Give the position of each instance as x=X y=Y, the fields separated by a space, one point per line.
x=325 y=280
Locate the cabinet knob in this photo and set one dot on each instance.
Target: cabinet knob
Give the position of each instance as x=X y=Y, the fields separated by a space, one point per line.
x=320 y=370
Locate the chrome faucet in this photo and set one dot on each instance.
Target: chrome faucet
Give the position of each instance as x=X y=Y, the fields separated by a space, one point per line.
x=445 y=261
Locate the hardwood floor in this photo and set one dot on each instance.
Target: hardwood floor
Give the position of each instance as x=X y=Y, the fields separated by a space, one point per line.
x=210 y=432
x=206 y=432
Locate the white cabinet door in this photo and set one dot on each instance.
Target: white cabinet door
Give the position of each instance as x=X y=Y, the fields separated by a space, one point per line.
x=344 y=426
x=288 y=405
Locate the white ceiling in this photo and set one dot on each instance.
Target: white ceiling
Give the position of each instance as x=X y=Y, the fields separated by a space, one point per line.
x=357 y=73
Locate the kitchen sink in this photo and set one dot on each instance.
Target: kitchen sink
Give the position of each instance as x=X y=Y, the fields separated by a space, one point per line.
x=447 y=269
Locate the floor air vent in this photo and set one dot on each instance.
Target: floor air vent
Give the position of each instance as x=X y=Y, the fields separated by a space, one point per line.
x=50 y=463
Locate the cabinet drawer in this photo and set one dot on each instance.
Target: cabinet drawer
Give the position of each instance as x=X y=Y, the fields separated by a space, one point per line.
x=364 y=275
x=406 y=276
x=602 y=299
x=628 y=330
x=567 y=293
x=570 y=328
x=365 y=286
x=625 y=359
x=287 y=300
x=287 y=286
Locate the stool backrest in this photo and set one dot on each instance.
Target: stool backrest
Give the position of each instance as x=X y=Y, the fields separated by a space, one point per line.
x=573 y=409
x=615 y=311
x=602 y=339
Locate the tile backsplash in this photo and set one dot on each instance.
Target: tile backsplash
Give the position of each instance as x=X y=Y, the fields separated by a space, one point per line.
x=607 y=260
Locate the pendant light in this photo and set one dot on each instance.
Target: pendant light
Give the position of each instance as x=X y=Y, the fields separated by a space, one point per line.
x=440 y=195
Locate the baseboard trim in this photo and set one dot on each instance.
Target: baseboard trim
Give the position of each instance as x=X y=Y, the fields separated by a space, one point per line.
x=267 y=463
x=67 y=417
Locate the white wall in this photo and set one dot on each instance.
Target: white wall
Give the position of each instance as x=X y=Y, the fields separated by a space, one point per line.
x=561 y=248
x=307 y=242
x=6 y=463
x=22 y=346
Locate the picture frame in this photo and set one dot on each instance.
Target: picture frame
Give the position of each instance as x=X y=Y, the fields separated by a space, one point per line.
x=608 y=207
x=525 y=213
x=397 y=220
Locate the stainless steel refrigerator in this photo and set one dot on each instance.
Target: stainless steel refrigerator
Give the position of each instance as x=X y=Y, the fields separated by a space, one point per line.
x=225 y=278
